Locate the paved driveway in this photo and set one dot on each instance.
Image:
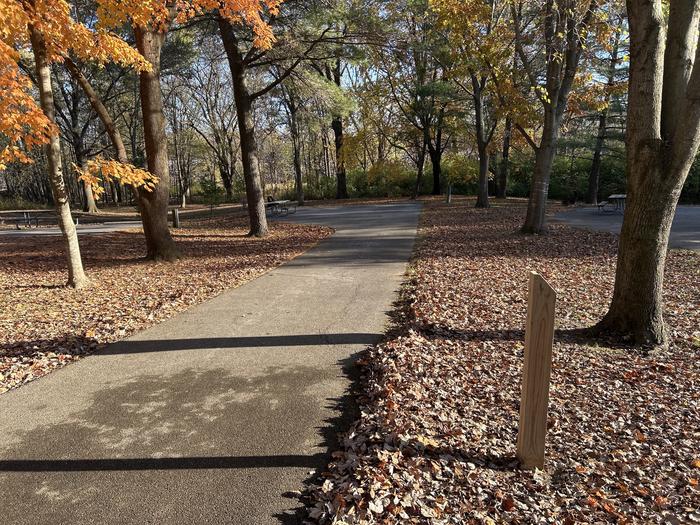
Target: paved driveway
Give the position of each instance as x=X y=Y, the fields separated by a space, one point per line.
x=685 y=232
x=212 y=416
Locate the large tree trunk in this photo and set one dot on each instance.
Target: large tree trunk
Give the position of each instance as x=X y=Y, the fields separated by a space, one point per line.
x=296 y=147
x=420 y=168
x=539 y=186
x=90 y=204
x=337 y=125
x=482 y=141
x=246 y=128
x=341 y=176
x=594 y=175
x=436 y=162
x=502 y=179
x=482 y=198
x=637 y=304
x=76 y=274
x=663 y=133
x=153 y=205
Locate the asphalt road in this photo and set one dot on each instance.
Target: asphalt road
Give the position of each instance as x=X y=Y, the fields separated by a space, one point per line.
x=212 y=416
x=685 y=232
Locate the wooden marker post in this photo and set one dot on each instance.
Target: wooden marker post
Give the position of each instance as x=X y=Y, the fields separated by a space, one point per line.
x=534 y=397
x=176 y=218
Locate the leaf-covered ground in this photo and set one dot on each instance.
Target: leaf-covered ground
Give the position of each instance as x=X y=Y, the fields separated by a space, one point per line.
x=435 y=442
x=44 y=326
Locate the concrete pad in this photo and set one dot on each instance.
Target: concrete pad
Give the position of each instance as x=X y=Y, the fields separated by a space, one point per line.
x=685 y=231
x=212 y=416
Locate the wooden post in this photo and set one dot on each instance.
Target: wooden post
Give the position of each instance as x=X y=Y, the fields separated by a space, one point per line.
x=449 y=193
x=176 y=218
x=534 y=397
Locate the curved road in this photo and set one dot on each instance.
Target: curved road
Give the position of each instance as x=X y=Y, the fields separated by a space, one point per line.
x=212 y=416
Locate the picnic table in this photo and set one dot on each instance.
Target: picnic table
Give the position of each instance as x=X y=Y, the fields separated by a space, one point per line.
x=281 y=207
x=29 y=219
x=615 y=201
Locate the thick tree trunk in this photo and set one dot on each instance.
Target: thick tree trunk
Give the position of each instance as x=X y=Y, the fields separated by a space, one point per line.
x=594 y=175
x=539 y=186
x=482 y=198
x=296 y=146
x=90 y=204
x=502 y=179
x=226 y=179
x=76 y=274
x=337 y=124
x=341 y=176
x=246 y=128
x=637 y=304
x=154 y=205
x=420 y=168
x=663 y=134
x=436 y=161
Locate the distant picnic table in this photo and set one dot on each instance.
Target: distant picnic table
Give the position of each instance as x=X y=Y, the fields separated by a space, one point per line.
x=615 y=202
x=282 y=207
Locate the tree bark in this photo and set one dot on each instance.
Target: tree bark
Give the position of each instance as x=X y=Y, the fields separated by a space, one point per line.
x=502 y=180
x=337 y=125
x=436 y=162
x=296 y=147
x=482 y=198
x=102 y=112
x=246 y=127
x=539 y=187
x=153 y=205
x=594 y=175
x=663 y=134
x=76 y=274
x=420 y=165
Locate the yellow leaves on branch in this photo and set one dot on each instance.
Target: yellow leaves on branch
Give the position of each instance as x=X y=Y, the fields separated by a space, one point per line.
x=98 y=170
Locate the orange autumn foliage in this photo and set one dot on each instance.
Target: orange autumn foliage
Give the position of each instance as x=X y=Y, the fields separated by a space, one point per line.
x=23 y=124
x=158 y=13
x=114 y=170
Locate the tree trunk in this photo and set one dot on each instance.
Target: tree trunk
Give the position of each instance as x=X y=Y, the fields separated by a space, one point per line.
x=337 y=124
x=482 y=198
x=246 y=127
x=501 y=186
x=298 y=182
x=76 y=274
x=102 y=112
x=436 y=161
x=420 y=165
x=153 y=205
x=594 y=175
x=637 y=304
x=341 y=176
x=539 y=187
x=663 y=134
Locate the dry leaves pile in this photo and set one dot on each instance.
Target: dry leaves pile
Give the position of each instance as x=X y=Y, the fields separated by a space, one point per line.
x=435 y=441
x=44 y=326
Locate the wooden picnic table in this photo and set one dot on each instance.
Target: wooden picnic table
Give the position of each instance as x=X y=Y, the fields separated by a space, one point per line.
x=280 y=207
x=616 y=201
